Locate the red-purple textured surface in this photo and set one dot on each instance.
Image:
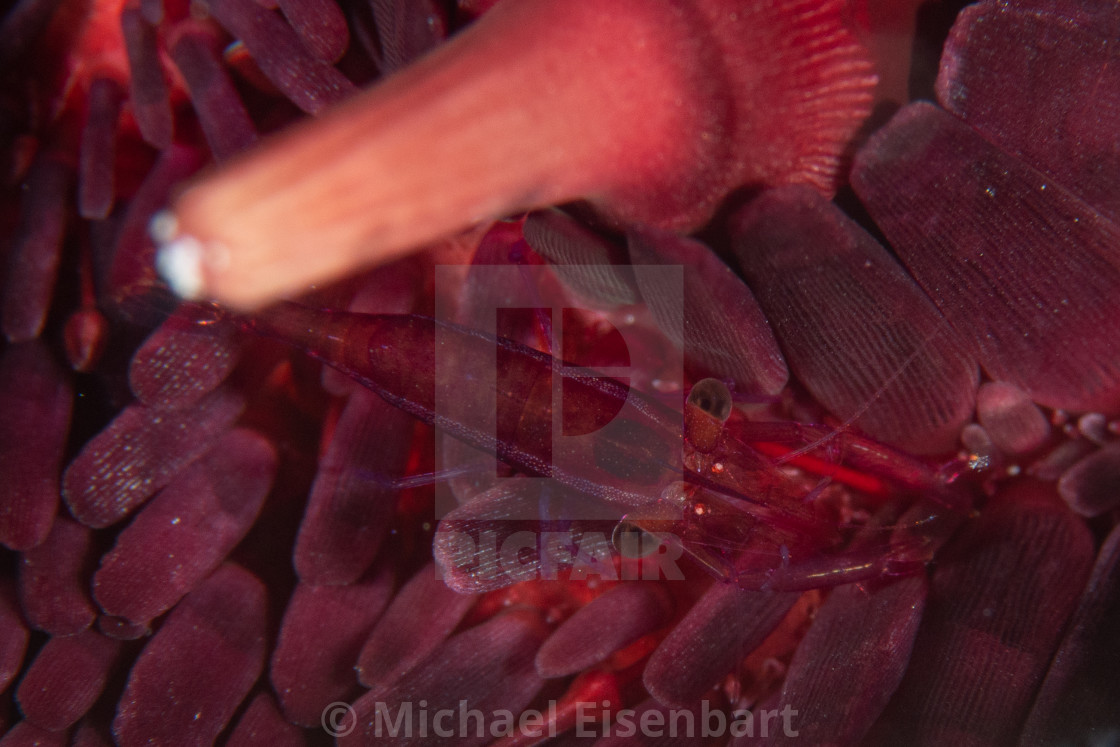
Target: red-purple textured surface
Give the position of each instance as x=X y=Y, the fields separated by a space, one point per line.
x=181 y=361
x=65 y=679
x=87 y=735
x=140 y=452
x=1081 y=11
x=490 y=666
x=176 y=695
x=608 y=623
x=262 y=725
x=353 y=498
x=95 y=166
x=321 y=27
x=1025 y=270
x=858 y=334
x=187 y=530
x=148 y=90
x=601 y=271
x=196 y=50
x=653 y=724
x=1092 y=486
x=860 y=635
x=1078 y=698
x=323 y=630
x=54 y=580
x=1063 y=111
x=36 y=398
x=34 y=258
x=13 y=635
x=307 y=81
x=707 y=644
x=25 y=734
x=407 y=29
x=999 y=600
x=422 y=614
x=710 y=313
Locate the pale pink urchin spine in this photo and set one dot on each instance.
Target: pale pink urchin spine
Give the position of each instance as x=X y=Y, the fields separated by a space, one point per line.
x=652 y=112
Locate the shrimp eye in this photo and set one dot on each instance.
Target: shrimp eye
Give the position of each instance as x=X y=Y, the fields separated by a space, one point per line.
x=631 y=541
x=713 y=397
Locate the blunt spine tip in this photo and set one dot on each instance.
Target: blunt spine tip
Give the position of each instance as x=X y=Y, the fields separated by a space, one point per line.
x=179 y=262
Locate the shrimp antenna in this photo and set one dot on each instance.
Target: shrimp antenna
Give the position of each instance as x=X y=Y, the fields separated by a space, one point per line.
x=850 y=421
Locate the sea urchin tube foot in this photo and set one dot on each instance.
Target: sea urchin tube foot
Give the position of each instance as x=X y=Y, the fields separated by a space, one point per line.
x=652 y=112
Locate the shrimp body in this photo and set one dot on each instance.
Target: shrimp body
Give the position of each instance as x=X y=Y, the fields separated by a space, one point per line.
x=508 y=408
x=701 y=486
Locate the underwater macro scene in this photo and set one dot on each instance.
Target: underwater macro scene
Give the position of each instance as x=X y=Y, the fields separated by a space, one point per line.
x=646 y=371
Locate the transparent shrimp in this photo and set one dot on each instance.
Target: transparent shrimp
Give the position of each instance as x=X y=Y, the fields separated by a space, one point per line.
x=702 y=487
